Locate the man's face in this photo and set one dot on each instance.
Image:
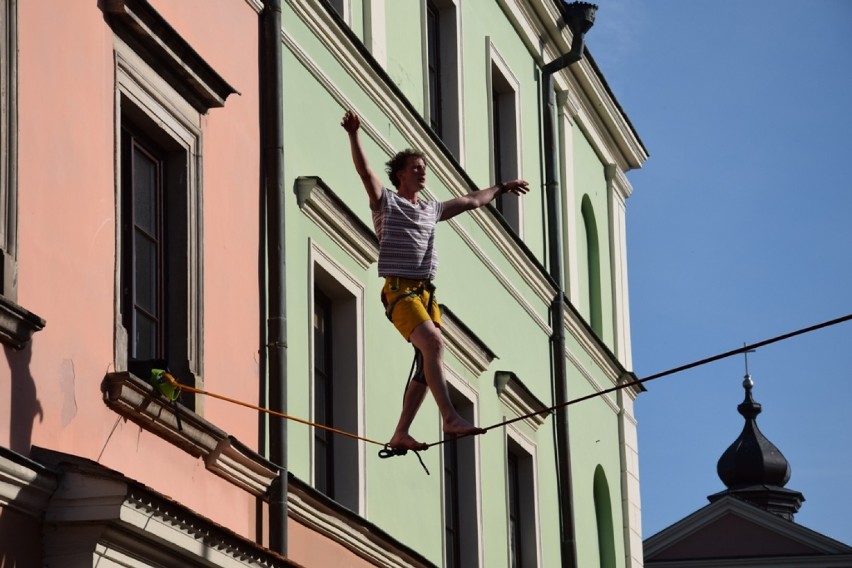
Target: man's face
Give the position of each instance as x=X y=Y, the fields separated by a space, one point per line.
x=413 y=175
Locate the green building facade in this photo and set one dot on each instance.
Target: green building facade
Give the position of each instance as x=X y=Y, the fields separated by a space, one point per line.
x=460 y=80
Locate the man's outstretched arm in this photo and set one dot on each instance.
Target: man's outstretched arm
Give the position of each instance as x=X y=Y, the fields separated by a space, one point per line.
x=352 y=123
x=482 y=197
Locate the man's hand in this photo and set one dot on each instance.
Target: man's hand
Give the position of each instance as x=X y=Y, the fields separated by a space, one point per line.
x=516 y=186
x=351 y=122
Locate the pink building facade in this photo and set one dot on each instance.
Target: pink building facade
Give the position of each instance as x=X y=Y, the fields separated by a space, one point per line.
x=132 y=231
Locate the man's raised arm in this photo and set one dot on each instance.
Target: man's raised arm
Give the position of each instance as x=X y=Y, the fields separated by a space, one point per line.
x=352 y=123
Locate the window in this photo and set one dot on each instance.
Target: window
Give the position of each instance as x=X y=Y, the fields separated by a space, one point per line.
x=159 y=233
x=521 y=495
x=593 y=266
x=604 y=520
x=441 y=48
x=461 y=541
x=341 y=7
x=323 y=394
x=8 y=146
x=337 y=382
x=17 y=325
x=505 y=126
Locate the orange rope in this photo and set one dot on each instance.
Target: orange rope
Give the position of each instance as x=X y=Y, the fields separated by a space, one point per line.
x=188 y=388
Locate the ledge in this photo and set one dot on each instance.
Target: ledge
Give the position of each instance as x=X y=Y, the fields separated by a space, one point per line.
x=320 y=204
x=223 y=455
x=314 y=510
x=98 y=515
x=463 y=344
x=166 y=51
x=17 y=325
x=25 y=486
x=516 y=396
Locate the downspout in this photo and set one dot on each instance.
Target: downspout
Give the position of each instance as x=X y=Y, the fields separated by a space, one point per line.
x=580 y=17
x=274 y=348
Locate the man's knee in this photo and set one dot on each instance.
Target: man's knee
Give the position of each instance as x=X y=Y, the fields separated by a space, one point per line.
x=427 y=337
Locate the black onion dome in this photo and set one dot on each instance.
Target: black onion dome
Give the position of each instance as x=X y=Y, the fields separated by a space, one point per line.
x=752 y=459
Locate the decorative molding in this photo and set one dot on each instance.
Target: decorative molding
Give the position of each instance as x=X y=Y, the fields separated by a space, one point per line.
x=463 y=344
x=310 y=508
x=320 y=204
x=714 y=512
x=166 y=51
x=256 y=5
x=223 y=455
x=17 y=325
x=98 y=514
x=518 y=398
x=25 y=486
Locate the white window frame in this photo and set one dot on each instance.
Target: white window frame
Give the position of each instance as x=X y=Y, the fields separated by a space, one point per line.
x=139 y=85
x=449 y=26
x=510 y=87
x=337 y=281
x=460 y=389
x=532 y=534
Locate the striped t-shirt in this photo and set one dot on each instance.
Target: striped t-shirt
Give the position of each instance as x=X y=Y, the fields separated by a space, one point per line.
x=406 y=233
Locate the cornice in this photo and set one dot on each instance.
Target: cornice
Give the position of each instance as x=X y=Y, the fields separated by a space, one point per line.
x=518 y=398
x=25 y=486
x=223 y=454
x=17 y=325
x=463 y=344
x=144 y=29
x=315 y=511
x=320 y=204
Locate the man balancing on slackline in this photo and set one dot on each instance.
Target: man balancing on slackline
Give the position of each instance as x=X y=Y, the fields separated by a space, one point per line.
x=405 y=226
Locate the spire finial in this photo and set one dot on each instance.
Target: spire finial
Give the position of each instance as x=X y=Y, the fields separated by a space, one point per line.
x=747 y=382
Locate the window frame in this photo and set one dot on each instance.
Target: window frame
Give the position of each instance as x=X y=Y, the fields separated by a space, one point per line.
x=503 y=92
x=17 y=325
x=448 y=48
x=347 y=295
x=145 y=101
x=466 y=401
x=524 y=450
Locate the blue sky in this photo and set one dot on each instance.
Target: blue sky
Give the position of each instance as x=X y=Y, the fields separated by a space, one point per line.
x=738 y=230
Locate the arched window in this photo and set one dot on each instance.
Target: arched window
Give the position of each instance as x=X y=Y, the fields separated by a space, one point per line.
x=593 y=265
x=603 y=518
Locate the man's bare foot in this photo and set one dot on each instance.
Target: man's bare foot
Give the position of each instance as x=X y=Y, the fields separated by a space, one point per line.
x=458 y=427
x=403 y=441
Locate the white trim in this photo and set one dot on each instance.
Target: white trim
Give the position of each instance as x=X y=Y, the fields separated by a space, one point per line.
x=527 y=445
x=375 y=34
x=136 y=81
x=317 y=256
x=495 y=59
x=469 y=393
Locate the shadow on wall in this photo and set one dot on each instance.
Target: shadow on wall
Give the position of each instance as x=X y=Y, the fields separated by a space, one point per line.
x=25 y=406
x=20 y=532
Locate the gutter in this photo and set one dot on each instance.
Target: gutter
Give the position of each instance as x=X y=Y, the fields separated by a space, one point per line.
x=573 y=16
x=273 y=351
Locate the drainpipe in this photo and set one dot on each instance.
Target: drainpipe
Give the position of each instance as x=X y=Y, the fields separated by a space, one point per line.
x=274 y=348
x=579 y=16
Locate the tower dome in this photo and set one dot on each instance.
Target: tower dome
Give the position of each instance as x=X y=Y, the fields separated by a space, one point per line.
x=753 y=469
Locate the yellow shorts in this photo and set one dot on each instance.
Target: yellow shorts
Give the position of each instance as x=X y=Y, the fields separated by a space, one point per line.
x=409 y=299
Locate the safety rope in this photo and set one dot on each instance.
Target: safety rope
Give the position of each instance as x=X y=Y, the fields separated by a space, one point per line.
x=180 y=386
x=387 y=451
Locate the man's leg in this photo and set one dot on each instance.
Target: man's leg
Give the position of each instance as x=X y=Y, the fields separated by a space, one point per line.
x=411 y=401
x=428 y=339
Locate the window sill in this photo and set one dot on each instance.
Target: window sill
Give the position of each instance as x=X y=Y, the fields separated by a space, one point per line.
x=224 y=455
x=17 y=325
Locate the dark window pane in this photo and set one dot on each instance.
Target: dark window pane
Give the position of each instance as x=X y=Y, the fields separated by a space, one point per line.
x=145 y=185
